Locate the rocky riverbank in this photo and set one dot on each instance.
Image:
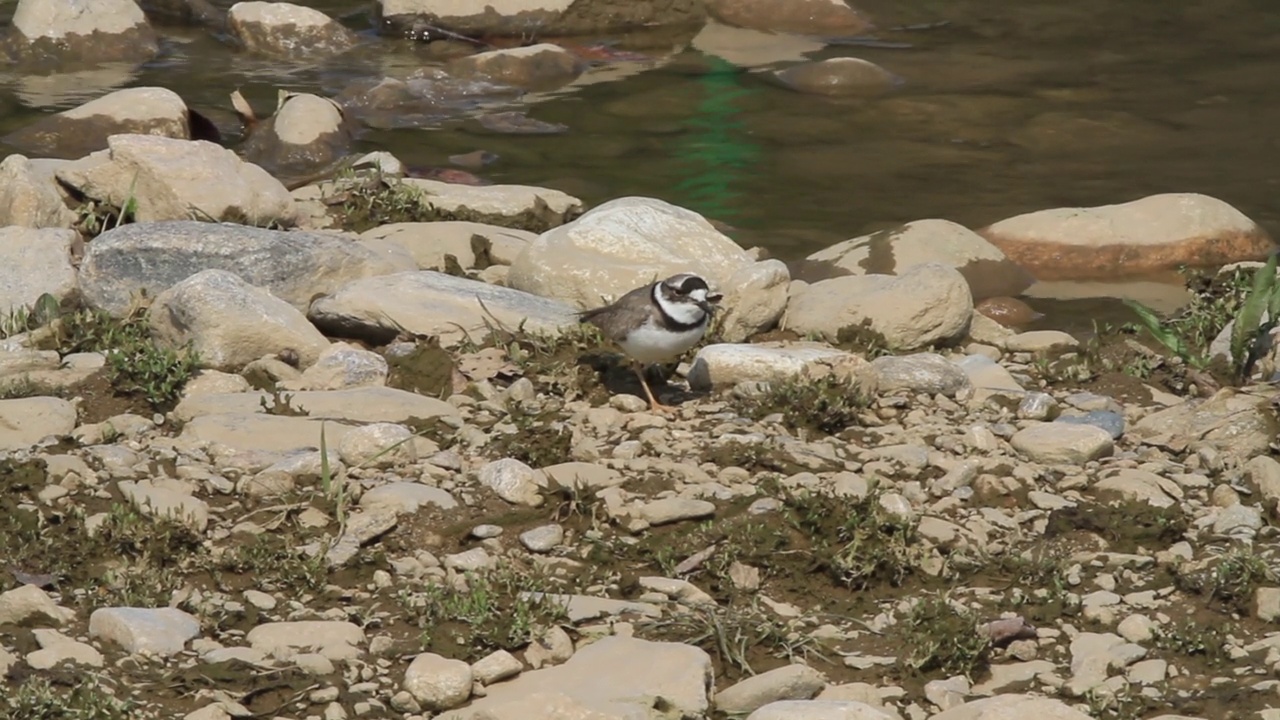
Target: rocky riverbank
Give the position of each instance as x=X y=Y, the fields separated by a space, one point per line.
x=338 y=447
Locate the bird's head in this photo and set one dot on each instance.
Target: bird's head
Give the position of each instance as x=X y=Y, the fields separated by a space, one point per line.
x=689 y=290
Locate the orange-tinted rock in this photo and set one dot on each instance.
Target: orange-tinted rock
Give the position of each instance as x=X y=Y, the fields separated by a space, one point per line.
x=1009 y=312
x=1155 y=233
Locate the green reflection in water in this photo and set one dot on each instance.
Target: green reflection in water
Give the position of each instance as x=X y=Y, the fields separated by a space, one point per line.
x=715 y=154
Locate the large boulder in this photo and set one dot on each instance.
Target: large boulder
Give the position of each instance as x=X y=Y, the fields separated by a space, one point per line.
x=293 y=266
x=58 y=32
x=552 y=18
x=167 y=179
x=889 y=252
x=285 y=29
x=231 y=323
x=928 y=304
x=450 y=308
x=629 y=242
x=81 y=130
x=1158 y=232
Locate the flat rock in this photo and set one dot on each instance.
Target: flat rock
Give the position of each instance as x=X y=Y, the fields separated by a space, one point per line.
x=619 y=677
x=1134 y=485
x=984 y=267
x=34 y=262
x=724 y=365
x=927 y=304
x=407 y=497
x=26 y=421
x=429 y=242
x=230 y=323
x=513 y=18
x=335 y=639
x=524 y=206
x=253 y=432
x=152 y=257
x=1158 y=232
x=789 y=682
x=1012 y=707
x=56 y=648
x=675 y=509
x=1062 y=443
x=161 y=499
x=366 y=404
x=628 y=242
x=431 y=303
x=918 y=373
x=159 y=631
x=820 y=710
x=583 y=475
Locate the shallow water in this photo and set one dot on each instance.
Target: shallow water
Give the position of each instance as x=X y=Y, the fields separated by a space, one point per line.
x=1009 y=107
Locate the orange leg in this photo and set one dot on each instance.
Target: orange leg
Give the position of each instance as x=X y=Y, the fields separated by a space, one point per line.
x=654 y=405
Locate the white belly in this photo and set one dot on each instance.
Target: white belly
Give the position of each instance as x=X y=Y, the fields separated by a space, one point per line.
x=652 y=344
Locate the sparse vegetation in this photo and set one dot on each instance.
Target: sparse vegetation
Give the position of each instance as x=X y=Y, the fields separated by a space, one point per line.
x=828 y=404
x=942 y=636
x=857 y=542
x=71 y=698
x=498 y=609
x=1230 y=579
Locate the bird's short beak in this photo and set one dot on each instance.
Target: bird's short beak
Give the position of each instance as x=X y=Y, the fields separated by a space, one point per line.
x=709 y=305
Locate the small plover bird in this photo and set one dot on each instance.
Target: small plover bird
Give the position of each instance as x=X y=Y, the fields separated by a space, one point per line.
x=657 y=323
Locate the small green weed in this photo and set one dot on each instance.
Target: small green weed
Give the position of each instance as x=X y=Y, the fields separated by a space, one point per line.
x=78 y=698
x=1216 y=301
x=135 y=362
x=1190 y=638
x=275 y=564
x=864 y=340
x=855 y=541
x=939 y=636
x=538 y=440
x=499 y=609
x=828 y=404
x=1229 y=579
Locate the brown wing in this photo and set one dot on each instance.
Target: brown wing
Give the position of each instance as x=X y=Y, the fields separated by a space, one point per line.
x=617 y=319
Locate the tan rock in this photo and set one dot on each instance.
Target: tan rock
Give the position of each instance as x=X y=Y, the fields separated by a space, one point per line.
x=536 y=66
x=890 y=252
x=1158 y=232
x=170 y=179
x=839 y=76
x=30 y=198
x=279 y=28
x=927 y=304
x=811 y=17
